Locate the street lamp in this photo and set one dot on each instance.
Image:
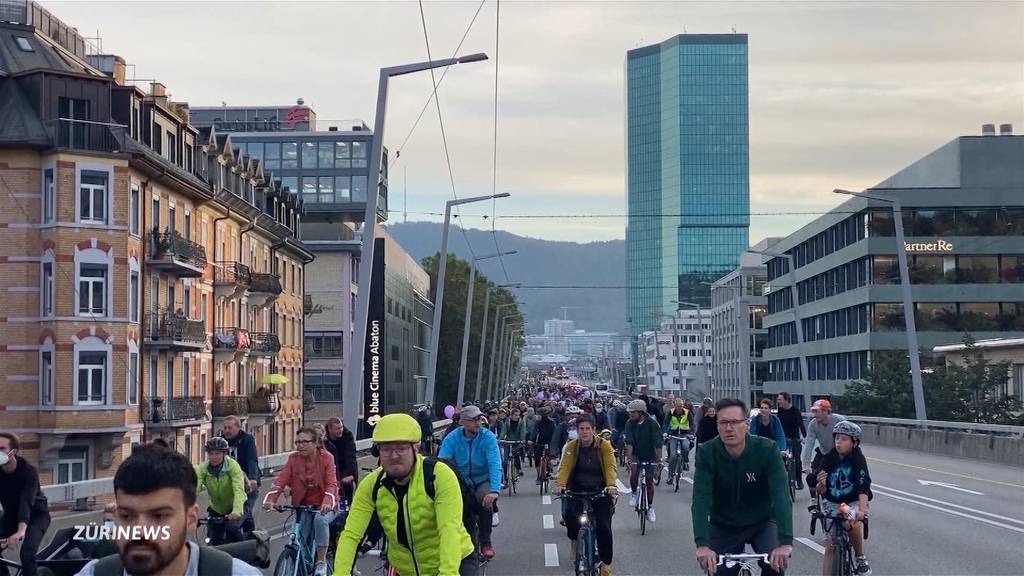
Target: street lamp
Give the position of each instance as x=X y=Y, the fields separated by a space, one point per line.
x=483 y=336
x=908 y=300
x=790 y=263
x=352 y=391
x=495 y=351
x=469 y=319
x=442 y=266
x=708 y=383
x=504 y=352
x=512 y=346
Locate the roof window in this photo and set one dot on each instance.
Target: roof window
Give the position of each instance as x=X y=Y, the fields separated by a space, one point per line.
x=23 y=44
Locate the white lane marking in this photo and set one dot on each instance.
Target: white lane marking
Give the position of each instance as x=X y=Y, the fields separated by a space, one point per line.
x=1010 y=484
x=546 y=500
x=953 y=512
x=950 y=504
x=811 y=544
x=549 y=521
x=688 y=479
x=949 y=485
x=623 y=489
x=551 y=555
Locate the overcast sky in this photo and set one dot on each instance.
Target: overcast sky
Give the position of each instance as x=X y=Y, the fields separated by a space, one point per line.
x=841 y=94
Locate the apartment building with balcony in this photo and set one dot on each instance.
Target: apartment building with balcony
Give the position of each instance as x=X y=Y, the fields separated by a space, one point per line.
x=151 y=272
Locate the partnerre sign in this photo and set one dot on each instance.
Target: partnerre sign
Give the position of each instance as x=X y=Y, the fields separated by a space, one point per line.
x=936 y=246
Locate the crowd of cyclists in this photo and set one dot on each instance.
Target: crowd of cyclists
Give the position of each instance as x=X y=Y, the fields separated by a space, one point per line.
x=434 y=505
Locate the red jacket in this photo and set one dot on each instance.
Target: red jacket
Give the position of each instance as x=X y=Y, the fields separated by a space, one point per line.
x=318 y=478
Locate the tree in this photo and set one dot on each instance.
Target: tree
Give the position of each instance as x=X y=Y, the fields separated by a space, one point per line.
x=885 y=390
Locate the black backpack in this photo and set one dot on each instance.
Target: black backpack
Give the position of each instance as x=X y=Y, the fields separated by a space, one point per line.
x=470 y=506
x=212 y=562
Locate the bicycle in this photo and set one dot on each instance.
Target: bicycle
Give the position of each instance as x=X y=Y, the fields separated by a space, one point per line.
x=642 y=503
x=585 y=563
x=545 y=472
x=842 y=549
x=748 y=563
x=510 y=454
x=299 y=555
x=674 y=465
x=206 y=522
x=792 y=471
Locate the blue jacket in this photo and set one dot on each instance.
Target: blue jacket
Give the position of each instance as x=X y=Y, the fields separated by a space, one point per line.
x=775 y=433
x=478 y=459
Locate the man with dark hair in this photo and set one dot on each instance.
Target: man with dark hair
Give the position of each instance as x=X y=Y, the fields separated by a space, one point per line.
x=342 y=445
x=155 y=493
x=26 y=513
x=242 y=447
x=740 y=495
x=793 y=427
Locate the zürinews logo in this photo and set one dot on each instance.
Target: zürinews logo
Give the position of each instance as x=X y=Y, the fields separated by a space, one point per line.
x=111 y=531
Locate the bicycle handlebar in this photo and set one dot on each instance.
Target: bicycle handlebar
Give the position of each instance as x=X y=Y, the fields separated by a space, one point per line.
x=730 y=560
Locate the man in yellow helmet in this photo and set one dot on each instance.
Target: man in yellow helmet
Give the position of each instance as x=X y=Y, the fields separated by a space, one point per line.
x=422 y=517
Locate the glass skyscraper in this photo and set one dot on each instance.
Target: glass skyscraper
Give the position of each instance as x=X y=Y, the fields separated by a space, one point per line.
x=687 y=169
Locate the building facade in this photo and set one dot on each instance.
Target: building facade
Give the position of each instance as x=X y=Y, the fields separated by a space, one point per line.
x=153 y=272
x=1010 y=350
x=963 y=215
x=687 y=175
x=674 y=357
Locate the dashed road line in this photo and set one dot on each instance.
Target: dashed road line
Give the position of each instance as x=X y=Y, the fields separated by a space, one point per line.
x=549 y=521
x=688 y=479
x=811 y=544
x=546 y=500
x=551 y=555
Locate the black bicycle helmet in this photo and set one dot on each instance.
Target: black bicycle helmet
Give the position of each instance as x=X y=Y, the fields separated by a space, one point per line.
x=217 y=443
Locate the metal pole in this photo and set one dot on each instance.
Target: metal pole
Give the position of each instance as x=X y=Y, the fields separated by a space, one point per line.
x=435 y=329
x=483 y=342
x=466 y=325
x=495 y=351
x=352 y=391
x=908 y=315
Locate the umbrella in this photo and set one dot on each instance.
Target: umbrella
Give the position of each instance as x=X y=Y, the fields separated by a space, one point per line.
x=274 y=379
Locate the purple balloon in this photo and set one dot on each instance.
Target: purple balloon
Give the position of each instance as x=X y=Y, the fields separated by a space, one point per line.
x=449 y=411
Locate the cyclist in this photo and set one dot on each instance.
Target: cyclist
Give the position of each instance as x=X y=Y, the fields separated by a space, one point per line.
x=767 y=425
x=242 y=447
x=475 y=453
x=26 y=513
x=426 y=422
x=600 y=417
x=678 y=422
x=643 y=444
x=514 y=431
x=223 y=478
x=740 y=495
x=565 y=430
x=342 y=445
x=793 y=427
x=818 y=430
x=588 y=465
x=155 y=487
x=311 y=475
x=425 y=536
x=844 y=478
x=542 y=433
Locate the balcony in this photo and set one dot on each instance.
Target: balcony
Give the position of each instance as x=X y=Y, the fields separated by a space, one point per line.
x=230 y=344
x=175 y=412
x=230 y=406
x=264 y=290
x=231 y=279
x=173 y=331
x=173 y=253
x=263 y=405
x=68 y=134
x=263 y=344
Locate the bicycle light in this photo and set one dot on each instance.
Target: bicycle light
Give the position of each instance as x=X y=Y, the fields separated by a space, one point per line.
x=584 y=520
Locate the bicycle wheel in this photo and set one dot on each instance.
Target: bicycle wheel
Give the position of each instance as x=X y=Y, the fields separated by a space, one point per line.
x=581 y=564
x=839 y=553
x=287 y=562
x=678 y=477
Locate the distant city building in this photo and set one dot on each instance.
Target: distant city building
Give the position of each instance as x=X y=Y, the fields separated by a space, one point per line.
x=963 y=214
x=674 y=357
x=738 y=335
x=997 y=350
x=687 y=172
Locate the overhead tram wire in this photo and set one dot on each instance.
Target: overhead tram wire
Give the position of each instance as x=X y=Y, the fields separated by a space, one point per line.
x=444 y=137
x=398 y=151
x=655 y=215
x=494 y=156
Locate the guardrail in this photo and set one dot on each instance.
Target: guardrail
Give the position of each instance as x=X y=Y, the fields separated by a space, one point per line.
x=84 y=489
x=992 y=429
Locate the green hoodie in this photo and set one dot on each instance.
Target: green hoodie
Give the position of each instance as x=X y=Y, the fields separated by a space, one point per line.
x=227 y=489
x=741 y=492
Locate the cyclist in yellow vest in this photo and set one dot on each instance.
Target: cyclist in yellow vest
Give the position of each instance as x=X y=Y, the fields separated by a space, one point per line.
x=678 y=422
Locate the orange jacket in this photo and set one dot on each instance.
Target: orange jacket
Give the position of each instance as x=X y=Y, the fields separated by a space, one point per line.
x=322 y=477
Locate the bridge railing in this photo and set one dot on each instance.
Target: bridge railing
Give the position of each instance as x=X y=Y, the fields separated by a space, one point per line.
x=991 y=429
x=83 y=490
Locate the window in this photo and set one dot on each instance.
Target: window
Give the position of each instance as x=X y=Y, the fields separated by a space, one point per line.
x=23 y=44
x=92 y=368
x=394 y=352
x=343 y=188
x=289 y=155
x=133 y=377
x=172 y=147
x=172 y=217
x=188 y=225
x=46 y=289
x=326 y=154
x=359 y=154
x=133 y=296
x=202 y=378
x=309 y=189
x=186 y=376
x=169 y=381
x=92 y=199
x=272 y=156
x=325 y=344
x=134 y=204
x=325 y=386
x=156 y=141
x=326 y=189
x=49 y=196
x=153 y=360
x=341 y=155
x=46 y=378
x=309 y=154
x=72 y=464
x=359 y=188
x=92 y=290
x=154 y=213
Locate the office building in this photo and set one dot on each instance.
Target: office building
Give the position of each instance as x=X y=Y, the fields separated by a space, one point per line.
x=152 y=271
x=687 y=174
x=674 y=357
x=738 y=335
x=963 y=215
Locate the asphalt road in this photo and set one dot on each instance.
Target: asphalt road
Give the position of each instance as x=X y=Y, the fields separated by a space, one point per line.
x=930 y=515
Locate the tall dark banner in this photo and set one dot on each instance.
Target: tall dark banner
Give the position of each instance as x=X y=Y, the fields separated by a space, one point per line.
x=373 y=358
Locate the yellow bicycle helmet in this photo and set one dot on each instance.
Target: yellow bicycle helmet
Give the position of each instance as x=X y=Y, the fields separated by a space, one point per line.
x=396 y=428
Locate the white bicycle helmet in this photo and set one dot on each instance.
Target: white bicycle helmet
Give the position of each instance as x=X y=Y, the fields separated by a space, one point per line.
x=848 y=428
x=573 y=409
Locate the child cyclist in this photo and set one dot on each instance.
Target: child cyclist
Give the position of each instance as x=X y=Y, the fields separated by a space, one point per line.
x=844 y=479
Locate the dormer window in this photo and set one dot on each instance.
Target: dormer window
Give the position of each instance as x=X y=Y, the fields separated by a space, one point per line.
x=23 y=44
